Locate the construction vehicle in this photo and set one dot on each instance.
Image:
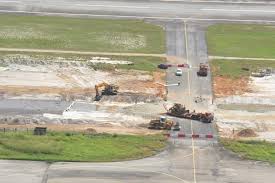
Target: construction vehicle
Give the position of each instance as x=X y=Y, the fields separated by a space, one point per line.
x=178 y=110
x=262 y=73
x=176 y=127
x=107 y=89
x=161 y=124
x=203 y=70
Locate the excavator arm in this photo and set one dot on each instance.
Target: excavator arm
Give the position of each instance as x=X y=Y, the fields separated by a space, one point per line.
x=98 y=86
x=105 y=89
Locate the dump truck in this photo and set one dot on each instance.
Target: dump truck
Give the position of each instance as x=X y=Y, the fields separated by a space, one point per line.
x=178 y=110
x=203 y=70
x=161 y=124
x=105 y=89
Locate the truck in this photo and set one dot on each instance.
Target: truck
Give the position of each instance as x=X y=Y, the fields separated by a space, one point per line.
x=178 y=110
x=203 y=70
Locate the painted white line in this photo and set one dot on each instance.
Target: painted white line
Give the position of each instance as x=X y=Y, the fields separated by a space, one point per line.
x=193 y=152
x=10 y=1
x=113 y=6
x=140 y=17
x=189 y=93
x=238 y=10
x=186 y=42
x=221 y=2
x=187 y=61
x=240 y=58
x=62 y=167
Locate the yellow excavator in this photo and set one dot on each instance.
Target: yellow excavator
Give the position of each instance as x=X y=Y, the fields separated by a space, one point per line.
x=105 y=89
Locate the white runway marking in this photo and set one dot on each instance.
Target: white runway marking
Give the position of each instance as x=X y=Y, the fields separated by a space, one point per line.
x=117 y=167
x=221 y=2
x=141 y=17
x=113 y=6
x=10 y=1
x=238 y=10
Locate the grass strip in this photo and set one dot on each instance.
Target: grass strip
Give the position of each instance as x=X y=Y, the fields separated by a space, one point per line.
x=254 y=150
x=238 y=68
x=80 y=34
x=60 y=146
x=142 y=63
x=236 y=40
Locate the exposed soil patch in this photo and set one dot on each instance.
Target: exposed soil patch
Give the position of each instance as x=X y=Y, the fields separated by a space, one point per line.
x=74 y=81
x=146 y=86
x=224 y=86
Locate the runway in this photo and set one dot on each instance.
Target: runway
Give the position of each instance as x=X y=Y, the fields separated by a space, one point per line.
x=162 y=10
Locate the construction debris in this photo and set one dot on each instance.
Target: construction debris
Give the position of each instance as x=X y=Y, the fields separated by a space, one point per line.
x=199 y=99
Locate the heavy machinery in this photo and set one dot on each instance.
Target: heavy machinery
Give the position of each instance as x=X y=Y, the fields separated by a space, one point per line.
x=180 y=111
x=262 y=72
x=203 y=70
x=107 y=89
x=176 y=127
x=161 y=124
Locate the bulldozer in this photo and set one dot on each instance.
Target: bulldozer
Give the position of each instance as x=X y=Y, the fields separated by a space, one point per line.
x=178 y=110
x=161 y=124
x=203 y=70
x=107 y=89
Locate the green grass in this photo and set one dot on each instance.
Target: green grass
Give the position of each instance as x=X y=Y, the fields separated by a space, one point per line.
x=255 y=150
x=233 y=68
x=42 y=32
x=241 y=40
x=78 y=147
x=140 y=62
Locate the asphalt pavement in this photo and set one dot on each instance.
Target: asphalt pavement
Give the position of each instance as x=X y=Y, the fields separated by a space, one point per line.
x=31 y=107
x=213 y=165
x=176 y=10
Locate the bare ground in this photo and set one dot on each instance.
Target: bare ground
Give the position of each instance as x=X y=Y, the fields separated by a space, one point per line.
x=75 y=81
x=224 y=86
x=255 y=97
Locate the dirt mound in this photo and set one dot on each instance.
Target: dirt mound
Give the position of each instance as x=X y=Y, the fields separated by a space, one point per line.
x=247 y=133
x=90 y=131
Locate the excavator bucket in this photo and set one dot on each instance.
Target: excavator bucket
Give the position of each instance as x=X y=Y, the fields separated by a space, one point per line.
x=107 y=89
